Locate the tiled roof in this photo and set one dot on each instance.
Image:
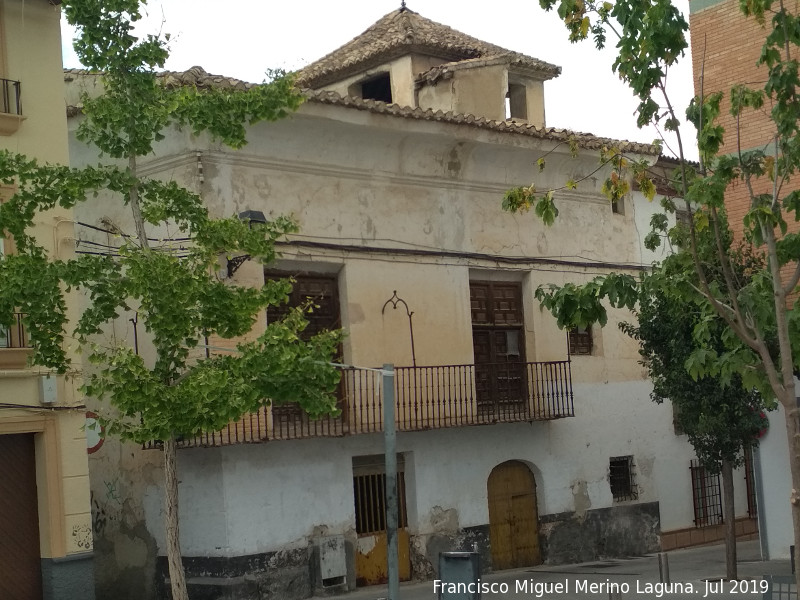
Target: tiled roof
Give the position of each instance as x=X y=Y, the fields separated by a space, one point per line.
x=400 y=32
x=197 y=76
x=583 y=140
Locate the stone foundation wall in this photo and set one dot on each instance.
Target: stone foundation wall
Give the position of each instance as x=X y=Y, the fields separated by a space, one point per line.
x=615 y=532
x=619 y=531
x=285 y=574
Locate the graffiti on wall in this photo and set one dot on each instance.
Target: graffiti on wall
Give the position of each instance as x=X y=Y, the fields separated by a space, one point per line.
x=82 y=535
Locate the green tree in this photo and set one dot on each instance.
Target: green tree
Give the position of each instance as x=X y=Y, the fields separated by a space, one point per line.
x=721 y=421
x=761 y=316
x=178 y=294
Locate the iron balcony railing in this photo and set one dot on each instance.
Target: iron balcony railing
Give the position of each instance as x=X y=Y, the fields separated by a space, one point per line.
x=14 y=336
x=10 y=97
x=434 y=397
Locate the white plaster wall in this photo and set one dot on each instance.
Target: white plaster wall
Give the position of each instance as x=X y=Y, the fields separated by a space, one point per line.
x=774 y=454
x=643 y=211
x=259 y=498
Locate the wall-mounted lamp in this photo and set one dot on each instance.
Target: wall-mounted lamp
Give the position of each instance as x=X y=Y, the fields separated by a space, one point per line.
x=252 y=217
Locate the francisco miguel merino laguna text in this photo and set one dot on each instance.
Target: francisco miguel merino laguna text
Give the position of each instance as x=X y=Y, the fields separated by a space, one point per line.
x=538 y=589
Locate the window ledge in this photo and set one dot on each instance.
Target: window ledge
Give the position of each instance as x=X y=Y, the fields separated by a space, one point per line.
x=15 y=358
x=10 y=123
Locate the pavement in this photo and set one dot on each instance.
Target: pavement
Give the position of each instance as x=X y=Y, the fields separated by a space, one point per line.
x=697 y=573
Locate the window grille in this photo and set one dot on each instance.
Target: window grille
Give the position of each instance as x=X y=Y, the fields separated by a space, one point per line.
x=750 y=482
x=580 y=340
x=369 y=491
x=706 y=495
x=14 y=336
x=621 y=478
x=10 y=97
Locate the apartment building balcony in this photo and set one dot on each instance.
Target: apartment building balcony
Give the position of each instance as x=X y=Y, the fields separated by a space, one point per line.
x=15 y=348
x=10 y=106
x=427 y=397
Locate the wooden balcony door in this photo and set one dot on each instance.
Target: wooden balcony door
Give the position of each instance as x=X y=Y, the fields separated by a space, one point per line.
x=323 y=292
x=498 y=345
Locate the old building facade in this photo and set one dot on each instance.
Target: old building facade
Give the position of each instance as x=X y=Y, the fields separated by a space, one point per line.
x=513 y=436
x=45 y=519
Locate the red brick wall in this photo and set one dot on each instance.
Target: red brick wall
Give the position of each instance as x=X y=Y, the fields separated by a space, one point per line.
x=725 y=49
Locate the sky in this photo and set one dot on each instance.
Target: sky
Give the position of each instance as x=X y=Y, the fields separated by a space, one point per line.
x=244 y=38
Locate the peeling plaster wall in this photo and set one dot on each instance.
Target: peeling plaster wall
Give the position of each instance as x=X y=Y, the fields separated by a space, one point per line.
x=259 y=498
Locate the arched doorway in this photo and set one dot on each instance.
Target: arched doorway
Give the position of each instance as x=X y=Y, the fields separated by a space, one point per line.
x=513 y=516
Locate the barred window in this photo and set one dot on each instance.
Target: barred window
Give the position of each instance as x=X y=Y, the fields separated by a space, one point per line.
x=369 y=491
x=621 y=478
x=706 y=496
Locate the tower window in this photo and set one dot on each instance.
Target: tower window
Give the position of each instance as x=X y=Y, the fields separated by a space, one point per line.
x=516 y=105
x=377 y=88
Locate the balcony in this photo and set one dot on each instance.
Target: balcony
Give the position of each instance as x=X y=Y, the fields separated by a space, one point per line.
x=15 y=348
x=425 y=398
x=10 y=106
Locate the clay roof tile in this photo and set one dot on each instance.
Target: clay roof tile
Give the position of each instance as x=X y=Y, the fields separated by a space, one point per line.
x=400 y=32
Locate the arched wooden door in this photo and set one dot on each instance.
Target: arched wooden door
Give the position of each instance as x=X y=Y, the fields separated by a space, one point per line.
x=513 y=516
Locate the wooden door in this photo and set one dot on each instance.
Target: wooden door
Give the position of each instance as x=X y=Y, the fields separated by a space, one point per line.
x=498 y=346
x=20 y=557
x=513 y=517
x=499 y=369
x=323 y=294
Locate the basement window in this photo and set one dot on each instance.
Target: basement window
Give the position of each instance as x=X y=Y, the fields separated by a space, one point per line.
x=621 y=478
x=377 y=88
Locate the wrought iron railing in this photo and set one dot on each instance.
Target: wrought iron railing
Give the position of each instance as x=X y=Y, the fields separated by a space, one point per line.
x=10 y=97
x=433 y=397
x=14 y=336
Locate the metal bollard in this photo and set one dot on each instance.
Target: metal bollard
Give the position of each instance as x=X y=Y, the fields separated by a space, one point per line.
x=663 y=567
x=615 y=595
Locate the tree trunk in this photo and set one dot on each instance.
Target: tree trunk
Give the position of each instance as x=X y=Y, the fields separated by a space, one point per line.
x=177 y=577
x=729 y=515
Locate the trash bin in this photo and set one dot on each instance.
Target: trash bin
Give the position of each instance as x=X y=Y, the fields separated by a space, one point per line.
x=459 y=574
